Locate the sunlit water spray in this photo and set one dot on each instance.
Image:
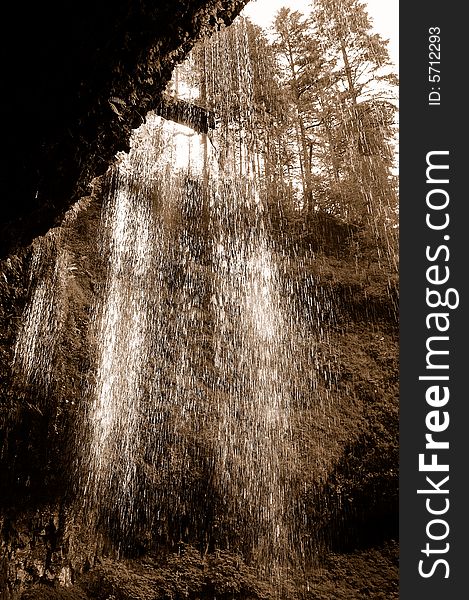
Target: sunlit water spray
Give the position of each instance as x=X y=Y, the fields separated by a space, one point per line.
x=196 y=403
x=38 y=335
x=51 y=269
x=147 y=409
x=130 y=328
x=253 y=392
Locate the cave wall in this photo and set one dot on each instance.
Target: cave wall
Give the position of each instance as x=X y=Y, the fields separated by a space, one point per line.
x=78 y=76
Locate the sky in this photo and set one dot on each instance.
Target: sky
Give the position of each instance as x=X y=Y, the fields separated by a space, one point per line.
x=384 y=15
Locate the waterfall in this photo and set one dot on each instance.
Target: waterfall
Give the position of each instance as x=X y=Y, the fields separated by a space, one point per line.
x=38 y=335
x=203 y=351
x=51 y=269
x=191 y=334
x=133 y=319
x=205 y=397
x=255 y=451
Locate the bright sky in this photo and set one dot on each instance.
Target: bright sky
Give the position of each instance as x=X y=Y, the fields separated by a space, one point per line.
x=384 y=14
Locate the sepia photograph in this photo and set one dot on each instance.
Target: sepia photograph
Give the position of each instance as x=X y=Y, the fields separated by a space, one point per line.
x=199 y=301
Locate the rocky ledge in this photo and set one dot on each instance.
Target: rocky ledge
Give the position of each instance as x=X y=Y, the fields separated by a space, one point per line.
x=77 y=78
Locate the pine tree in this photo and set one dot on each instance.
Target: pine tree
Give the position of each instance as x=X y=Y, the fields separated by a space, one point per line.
x=300 y=61
x=361 y=109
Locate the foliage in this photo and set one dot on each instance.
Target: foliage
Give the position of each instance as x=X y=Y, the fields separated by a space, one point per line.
x=342 y=97
x=371 y=573
x=189 y=575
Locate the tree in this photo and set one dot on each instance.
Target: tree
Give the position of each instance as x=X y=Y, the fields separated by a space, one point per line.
x=300 y=61
x=360 y=108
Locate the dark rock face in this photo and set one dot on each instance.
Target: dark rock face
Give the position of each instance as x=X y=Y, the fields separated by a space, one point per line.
x=77 y=78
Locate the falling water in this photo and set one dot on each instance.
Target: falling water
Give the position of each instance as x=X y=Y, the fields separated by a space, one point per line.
x=191 y=332
x=251 y=362
x=50 y=270
x=252 y=330
x=38 y=335
x=122 y=331
x=201 y=369
x=192 y=421
x=131 y=318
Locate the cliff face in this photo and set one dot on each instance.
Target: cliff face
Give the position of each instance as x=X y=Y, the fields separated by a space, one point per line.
x=77 y=77
x=348 y=445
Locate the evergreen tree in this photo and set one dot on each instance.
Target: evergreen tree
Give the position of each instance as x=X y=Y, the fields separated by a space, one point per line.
x=360 y=108
x=300 y=63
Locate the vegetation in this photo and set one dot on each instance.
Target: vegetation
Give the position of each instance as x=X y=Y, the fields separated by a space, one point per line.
x=190 y=575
